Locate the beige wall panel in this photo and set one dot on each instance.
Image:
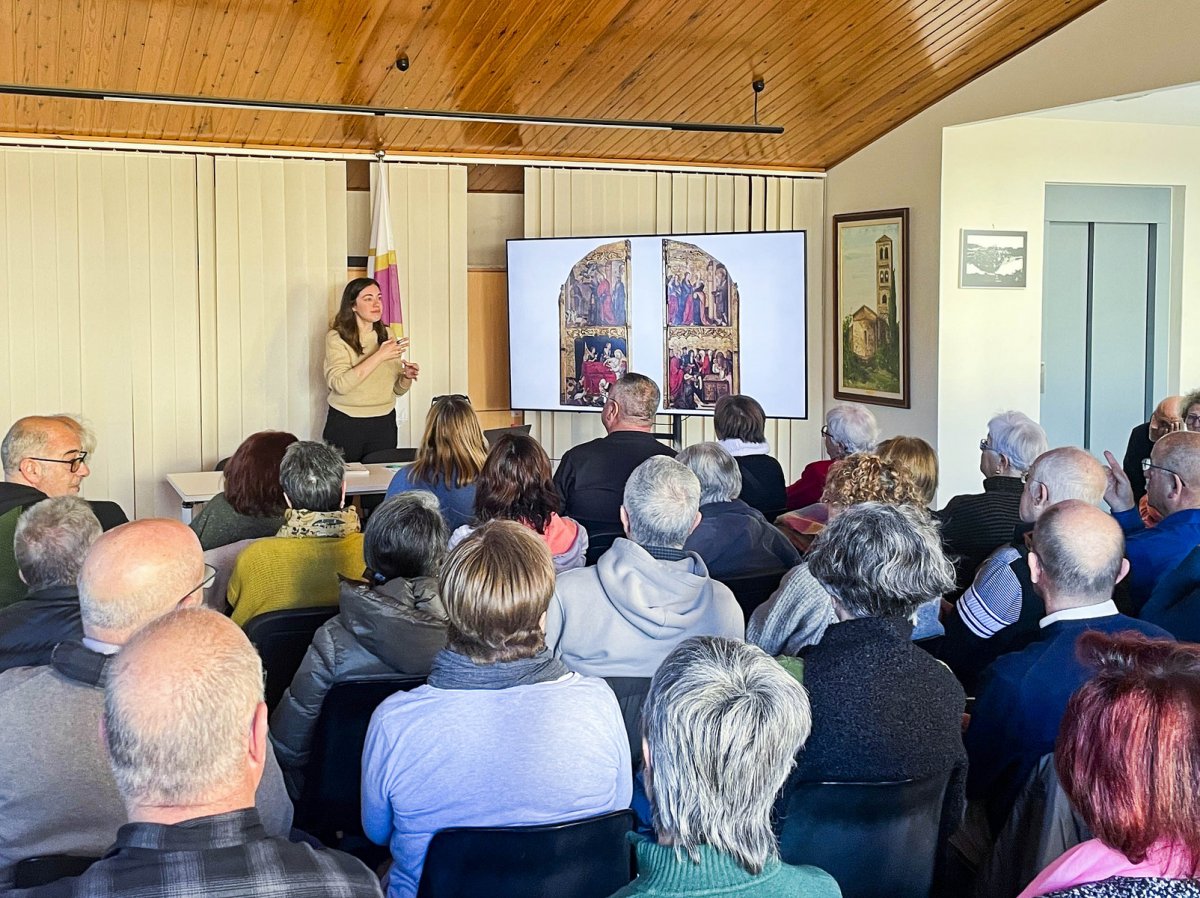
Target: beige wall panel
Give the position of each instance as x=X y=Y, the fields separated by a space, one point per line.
x=279 y=267
x=562 y=203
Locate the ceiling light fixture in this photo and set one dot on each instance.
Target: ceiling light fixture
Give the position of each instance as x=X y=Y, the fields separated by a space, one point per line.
x=496 y=118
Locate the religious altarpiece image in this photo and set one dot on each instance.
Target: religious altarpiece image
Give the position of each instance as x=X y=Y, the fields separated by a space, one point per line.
x=702 y=350
x=593 y=306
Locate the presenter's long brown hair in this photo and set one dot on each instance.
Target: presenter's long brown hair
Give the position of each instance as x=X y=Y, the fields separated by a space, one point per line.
x=452 y=448
x=344 y=321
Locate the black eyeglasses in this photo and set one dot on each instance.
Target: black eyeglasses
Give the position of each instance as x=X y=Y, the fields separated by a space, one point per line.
x=1147 y=465
x=210 y=577
x=75 y=462
x=463 y=396
x=825 y=430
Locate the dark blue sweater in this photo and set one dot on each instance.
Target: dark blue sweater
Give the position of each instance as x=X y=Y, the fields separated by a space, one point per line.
x=1020 y=703
x=1175 y=603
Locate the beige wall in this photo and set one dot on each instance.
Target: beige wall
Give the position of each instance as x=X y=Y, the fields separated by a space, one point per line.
x=995 y=176
x=1120 y=47
x=563 y=203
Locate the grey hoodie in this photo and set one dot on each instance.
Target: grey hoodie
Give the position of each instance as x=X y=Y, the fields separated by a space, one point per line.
x=623 y=616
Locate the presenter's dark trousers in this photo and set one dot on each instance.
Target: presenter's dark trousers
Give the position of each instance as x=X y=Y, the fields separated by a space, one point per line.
x=359 y=437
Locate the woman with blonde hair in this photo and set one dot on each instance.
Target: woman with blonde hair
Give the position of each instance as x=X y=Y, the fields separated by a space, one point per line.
x=914 y=455
x=449 y=460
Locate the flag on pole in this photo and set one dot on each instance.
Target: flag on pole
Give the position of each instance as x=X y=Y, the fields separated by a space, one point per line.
x=381 y=258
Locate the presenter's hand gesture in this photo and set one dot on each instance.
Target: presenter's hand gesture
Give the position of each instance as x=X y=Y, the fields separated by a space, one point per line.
x=391 y=349
x=412 y=370
x=1119 y=493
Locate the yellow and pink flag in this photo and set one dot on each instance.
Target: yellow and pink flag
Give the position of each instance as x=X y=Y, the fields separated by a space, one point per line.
x=381 y=258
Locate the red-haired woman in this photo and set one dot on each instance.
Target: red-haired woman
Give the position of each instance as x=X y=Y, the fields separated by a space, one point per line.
x=1128 y=757
x=252 y=504
x=516 y=485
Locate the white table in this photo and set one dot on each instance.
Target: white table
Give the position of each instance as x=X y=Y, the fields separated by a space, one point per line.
x=198 y=487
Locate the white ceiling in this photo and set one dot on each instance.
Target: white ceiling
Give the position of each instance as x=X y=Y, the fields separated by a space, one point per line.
x=1171 y=106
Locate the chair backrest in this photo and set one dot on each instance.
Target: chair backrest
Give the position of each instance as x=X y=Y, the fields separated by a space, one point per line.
x=598 y=544
x=331 y=799
x=754 y=588
x=282 y=638
x=581 y=859
x=40 y=871
x=389 y=456
x=873 y=838
x=631 y=695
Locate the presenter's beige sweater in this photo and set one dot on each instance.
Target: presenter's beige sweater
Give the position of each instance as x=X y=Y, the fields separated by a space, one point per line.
x=370 y=397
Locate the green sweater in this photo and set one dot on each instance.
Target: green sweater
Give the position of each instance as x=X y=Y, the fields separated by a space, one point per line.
x=662 y=872
x=219 y=524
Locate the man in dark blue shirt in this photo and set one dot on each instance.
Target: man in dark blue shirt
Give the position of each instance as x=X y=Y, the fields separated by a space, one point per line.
x=1075 y=561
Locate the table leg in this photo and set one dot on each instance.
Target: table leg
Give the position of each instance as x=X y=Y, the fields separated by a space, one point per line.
x=185 y=511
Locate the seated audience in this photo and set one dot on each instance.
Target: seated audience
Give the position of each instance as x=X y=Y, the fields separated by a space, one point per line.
x=449 y=459
x=646 y=594
x=848 y=429
x=1129 y=760
x=180 y=701
x=712 y=819
x=503 y=734
x=975 y=525
x=1075 y=560
x=1190 y=410
x=1174 y=605
x=516 y=485
x=883 y=709
x=798 y=612
x=591 y=477
x=392 y=625
x=1000 y=610
x=740 y=424
x=43 y=457
x=732 y=537
x=59 y=796
x=1165 y=419
x=1173 y=490
x=318 y=542
x=251 y=504
x=51 y=541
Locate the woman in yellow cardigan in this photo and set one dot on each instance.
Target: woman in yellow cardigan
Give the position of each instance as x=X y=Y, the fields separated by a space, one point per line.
x=365 y=371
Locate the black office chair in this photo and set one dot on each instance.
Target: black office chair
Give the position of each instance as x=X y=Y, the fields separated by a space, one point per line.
x=220 y=466
x=873 y=838
x=754 y=588
x=598 y=544
x=631 y=695
x=282 y=638
x=330 y=802
x=389 y=456
x=581 y=859
x=41 y=871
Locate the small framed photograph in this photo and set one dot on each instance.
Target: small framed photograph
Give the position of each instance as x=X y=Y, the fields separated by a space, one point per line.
x=992 y=259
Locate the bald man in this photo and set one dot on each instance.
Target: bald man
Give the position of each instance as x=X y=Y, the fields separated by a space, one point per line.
x=1166 y=418
x=1173 y=490
x=999 y=612
x=58 y=794
x=43 y=456
x=185 y=727
x=1074 y=562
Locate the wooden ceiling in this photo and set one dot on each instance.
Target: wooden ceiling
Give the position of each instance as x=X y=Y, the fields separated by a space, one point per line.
x=839 y=73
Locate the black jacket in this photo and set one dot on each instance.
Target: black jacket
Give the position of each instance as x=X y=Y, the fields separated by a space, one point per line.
x=735 y=539
x=763 y=486
x=30 y=629
x=882 y=709
x=591 y=477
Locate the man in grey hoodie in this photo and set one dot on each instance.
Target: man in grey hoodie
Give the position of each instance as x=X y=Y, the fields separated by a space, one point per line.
x=646 y=594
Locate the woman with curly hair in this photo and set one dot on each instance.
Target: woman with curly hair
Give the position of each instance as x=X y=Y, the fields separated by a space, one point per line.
x=798 y=612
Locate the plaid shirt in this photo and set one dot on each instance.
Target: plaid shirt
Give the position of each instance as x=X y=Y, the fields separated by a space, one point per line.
x=224 y=856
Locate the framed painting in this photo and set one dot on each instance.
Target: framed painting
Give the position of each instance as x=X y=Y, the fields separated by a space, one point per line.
x=870 y=299
x=992 y=259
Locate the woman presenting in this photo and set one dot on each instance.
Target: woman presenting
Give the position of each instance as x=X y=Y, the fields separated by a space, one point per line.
x=365 y=371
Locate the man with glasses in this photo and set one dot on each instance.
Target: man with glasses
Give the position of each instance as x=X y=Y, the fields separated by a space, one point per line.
x=1173 y=490
x=1165 y=419
x=1000 y=610
x=59 y=796
x=43 y=457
